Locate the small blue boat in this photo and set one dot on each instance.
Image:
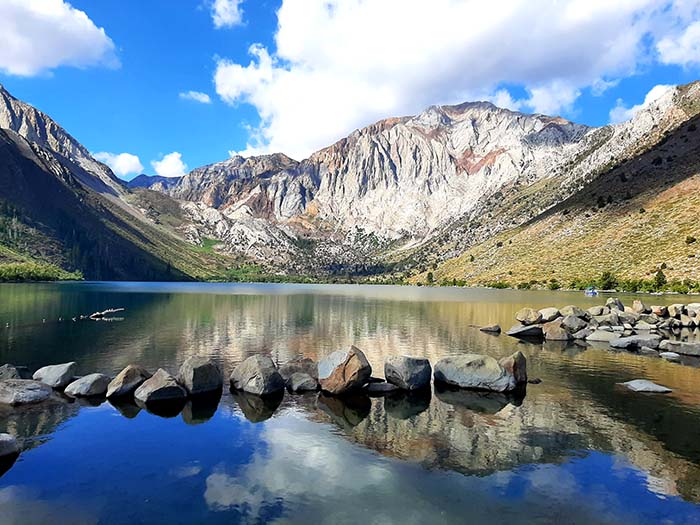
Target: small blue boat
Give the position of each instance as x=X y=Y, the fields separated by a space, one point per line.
x=591 y=291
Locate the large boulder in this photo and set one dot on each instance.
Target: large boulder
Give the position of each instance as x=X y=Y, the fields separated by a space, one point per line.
x=88 y=386
x=628 y=316
x=257 y=375
x=161 y=386
x=23 y=392
x=14 y=372
x=8 y=445
x=526 y=331
x=574 y=311
x=636 y=341
x=516 y=365
x=127 y=381
x=573 y=324
x=549 y=314
x=408 y=373
x=475 y=371
x=200 y=375
x=302 y=365
x=554 y=331
x=528 y=316
x=57 y=376
x=598 y=310
x=343 y=371
x=643 y=385
x=302 y=382
x=610 y=319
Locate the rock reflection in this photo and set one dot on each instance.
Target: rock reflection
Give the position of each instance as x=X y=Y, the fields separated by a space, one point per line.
x=477 y=401
x=202 y=408
x=257 y=409
x=165 y=409
x=126 y=407
x=6 y=463
x=346 y=411
x=407 y=404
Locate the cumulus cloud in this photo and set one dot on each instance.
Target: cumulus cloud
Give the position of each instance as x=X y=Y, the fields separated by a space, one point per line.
x=122 y=164
x=339 y=65
x=622 y=113
x=226 y=13
x=170 y=165
x=197 y=96
x=682 y=49
x=39 y=35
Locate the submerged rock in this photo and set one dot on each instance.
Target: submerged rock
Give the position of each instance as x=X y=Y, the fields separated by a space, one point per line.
x=479 y=372
x=127 y=381
x=160 y=387
x=257 y=375
x=347 y=411
x=200 y=375
x=344 y=370
x=683 y=347
x=643 y=385
x=528 y=316
x=57 y=376
x=23 y=392
x=491 y=329
x=408 y=373
x=14 y=372
x=88 y=386
x=523 y=331
x=636 y=341
x=404 y=404
x=302 y=382
x=670 y=356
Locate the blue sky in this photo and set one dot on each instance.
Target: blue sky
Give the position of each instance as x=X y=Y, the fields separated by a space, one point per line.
x=296 y=75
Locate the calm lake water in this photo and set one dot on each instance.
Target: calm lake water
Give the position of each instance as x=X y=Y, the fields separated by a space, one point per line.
x=576 y=450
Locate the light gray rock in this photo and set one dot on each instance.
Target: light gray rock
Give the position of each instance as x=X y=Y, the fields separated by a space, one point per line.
x=302 y=382
x=575 y=311
x=8 y=445
x=687 y=321
x=14 y=372
x=641 y=325
x=583 y=334
x=408 y=373
x=643 y=385
x=670 y=356
x=610 y=319
x=636 y=341
x=57 y=376
x=257 y=375
x=683 y=347
x=476 y=372
x=549 y=314
x=693 y=309
x=628 y=316
x=23 y=392
x=199 y=375
x=528 y=316
x=650 y=352
x=491 y=329
x=602 y=336
x=523 y=331
x=127 y=381
x=573 y=324
x=88 y=386
x=343 y=371
x=596 y=311
x=161 y=386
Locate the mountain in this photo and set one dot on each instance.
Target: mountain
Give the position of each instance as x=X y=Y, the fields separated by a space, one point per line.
x=153 y=182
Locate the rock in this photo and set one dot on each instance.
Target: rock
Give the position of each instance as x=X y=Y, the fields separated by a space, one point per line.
x=408 y=373
x=574 y=311
x=8 y=445
x=491 y=329
x=583 y=334
x=14 y=372
x=595 y=311
x=343 y=371
x=693 y=309
x=661 y=311
x=534 y=381
x=618 y=328
x=161 y=386
x=610 y=319
x=127 y=381
x=200 y=375
x=474 y=371
x=636 y=341
x=381 y=388
x=687 y=321
x=88 y=386
x=303 y=365
x=23 y=392
x=573 y=324
x=201 y=408
x=615 y=304
x=302 y=382
x=549 y=314
x=645 y=350
x=663 y=345
x=602 y=336
x=528 y=316
x=57 y=376
x=639 y=307
x=628 y=317
x=670 y=356
x=257 y=375
x=524 y=331
x=643 y=385
x=683 y=347
x=516 y=365
x=641 y=325
x=676 y=310
x=649 y=319
x=553 y=331
x=628 y=327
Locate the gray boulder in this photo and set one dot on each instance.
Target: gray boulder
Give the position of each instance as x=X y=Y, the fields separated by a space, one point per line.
x=257 y=375
x=57 y=376
x=304 y=365
x=549 y=314
x=528 y=316
x=649 y=319
x=408 y=373
x=127 y=381
x=636 y=341
x=14 y=372
x=670 y=356
x=650 y=352
x=8 y=445
x=615 y=304
x=644 y=326
x=610 y=319
x=343 y=371
x=573 y=324
x=595 y=311
x=200 y=375
x=602 y=336
x=687 y=321
x=302 y=382
x=628 y=316
x=575 y=311
x=643 y=385
x=23 y=392
x=88 y=386
x=583 y=334
x=683 y=347
x=554 y=331
x=474 y=371
x=491 y=329
x=161 y=386
x=524 y=331
x=516 y=365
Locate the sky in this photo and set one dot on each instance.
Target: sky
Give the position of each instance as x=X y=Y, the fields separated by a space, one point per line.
x=164 y=86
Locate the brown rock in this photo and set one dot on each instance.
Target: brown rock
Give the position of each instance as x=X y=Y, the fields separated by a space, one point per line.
x=344 y=370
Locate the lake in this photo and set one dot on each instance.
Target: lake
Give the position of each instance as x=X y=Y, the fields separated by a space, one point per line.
x=577 y=449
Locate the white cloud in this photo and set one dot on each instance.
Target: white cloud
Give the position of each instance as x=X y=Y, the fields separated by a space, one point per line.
x=339 y=65
x=226 y=13
x=170 y=165
x=682 y=49
x=122 y=164
x=39 y=35
x=621 y=113
x=197 y=96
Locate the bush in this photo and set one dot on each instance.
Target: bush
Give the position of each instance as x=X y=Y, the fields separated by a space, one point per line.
x=608 y=281
x=690 y=239
x=553 y=285
x=36 y=272
x=498 y=284
x=523 y=286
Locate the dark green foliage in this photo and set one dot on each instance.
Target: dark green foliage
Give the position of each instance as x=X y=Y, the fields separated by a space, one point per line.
x=36 y=272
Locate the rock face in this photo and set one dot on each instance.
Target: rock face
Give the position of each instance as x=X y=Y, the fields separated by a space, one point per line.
x=88 y=386
x=14 y=372
x=642 y=385
x=302 y=382
x=257 y=375
x=408 y=373
x=477 y=372
x=528 y=316
x=343 y=371
x=8 y=445
x=160 y=387
x=200 y=375
x=23 y=392
x=57 y=376
x=127 y=381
